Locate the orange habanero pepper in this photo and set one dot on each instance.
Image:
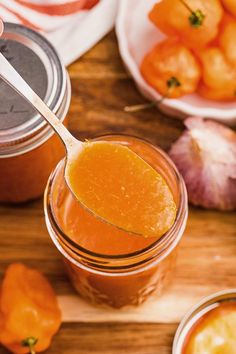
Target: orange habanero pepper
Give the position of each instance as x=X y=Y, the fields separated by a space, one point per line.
x=196 y=22
x=218 y=76
x=219 y=94
x=227 y=38
x=171 y=69
x=230 y=6
x=29 y=312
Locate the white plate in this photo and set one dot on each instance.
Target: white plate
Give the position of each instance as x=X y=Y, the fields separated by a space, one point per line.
x=137 y=35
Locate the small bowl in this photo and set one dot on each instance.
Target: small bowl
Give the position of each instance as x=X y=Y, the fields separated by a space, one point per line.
x=136 y=36
x=187 y=323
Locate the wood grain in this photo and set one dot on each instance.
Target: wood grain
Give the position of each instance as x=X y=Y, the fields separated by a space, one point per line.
x=112 y=338
x=207 y=257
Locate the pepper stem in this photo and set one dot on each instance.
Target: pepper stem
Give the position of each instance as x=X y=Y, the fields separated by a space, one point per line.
x=170 y=83
x=196 y=18
x=30 y=343
x=139 y=107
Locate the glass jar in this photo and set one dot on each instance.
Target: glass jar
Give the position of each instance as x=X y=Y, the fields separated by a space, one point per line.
x=29 y=149
x=106 y=264
x=197 y=313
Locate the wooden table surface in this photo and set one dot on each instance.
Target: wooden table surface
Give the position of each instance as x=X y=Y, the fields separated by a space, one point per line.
x=207 y=258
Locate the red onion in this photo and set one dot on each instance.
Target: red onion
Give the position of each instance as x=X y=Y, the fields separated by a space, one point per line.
x=205 y=154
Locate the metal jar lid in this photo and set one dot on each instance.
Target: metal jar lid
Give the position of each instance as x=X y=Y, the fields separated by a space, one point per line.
x=38 y=63
x=206 y=305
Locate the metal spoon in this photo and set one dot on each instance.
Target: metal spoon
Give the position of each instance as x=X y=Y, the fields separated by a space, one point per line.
x=73 y=146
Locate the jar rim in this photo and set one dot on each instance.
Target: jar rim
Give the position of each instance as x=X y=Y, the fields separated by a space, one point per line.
x=205 y=305
x=164 y=242
x=56 y=85
x=40 y=134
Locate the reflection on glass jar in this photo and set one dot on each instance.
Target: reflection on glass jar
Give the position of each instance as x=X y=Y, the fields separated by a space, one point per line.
x=106 y=264
x=29 y=149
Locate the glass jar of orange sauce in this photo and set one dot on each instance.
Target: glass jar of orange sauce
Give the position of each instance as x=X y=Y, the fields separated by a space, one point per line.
x=29 y=150
x=209 y=327
x=106 y=264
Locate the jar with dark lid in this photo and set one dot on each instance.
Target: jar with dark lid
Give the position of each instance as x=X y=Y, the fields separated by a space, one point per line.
x=29 y=149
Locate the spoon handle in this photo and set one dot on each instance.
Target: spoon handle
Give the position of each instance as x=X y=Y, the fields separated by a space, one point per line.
x=14 y=79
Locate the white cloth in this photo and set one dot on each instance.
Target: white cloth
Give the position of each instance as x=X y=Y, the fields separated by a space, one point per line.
x=72 y=26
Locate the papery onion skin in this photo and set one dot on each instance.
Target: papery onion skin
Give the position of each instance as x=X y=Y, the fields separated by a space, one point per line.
x=205 y=155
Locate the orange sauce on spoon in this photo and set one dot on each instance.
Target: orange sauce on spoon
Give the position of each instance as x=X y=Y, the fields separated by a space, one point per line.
x=121 y=188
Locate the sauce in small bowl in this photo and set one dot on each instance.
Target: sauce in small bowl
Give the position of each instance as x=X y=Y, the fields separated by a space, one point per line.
x=209 y=328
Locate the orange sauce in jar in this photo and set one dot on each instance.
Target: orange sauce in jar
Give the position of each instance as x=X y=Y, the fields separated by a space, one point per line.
x=23 y=177
x=106 y=263
x=214 y=332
